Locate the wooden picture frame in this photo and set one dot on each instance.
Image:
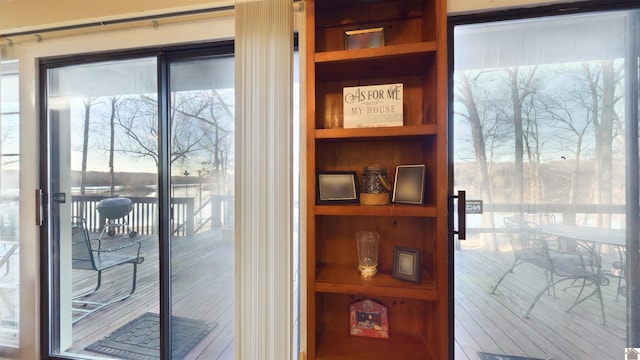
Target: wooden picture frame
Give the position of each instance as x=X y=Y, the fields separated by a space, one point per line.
x=364 y=38
x=408 y=187
x=369 y=319
x=406 y=264
x=337 y=187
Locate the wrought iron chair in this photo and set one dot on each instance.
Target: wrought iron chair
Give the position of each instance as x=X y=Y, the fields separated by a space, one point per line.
x=86 y=256
x=579 y=263
x=582 y=266
x=529 y=246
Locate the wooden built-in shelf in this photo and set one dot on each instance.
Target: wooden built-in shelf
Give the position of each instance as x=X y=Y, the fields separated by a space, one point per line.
x=413 y=54
x=380 y=132
x=376 y=210
x=403 y=50
x=337 y=344
x=345 y=279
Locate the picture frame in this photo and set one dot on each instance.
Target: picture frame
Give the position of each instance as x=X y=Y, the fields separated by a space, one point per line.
x=364 y=38
x=368 y=318
x=408 y=187
x=337 y=187
x=406 y=264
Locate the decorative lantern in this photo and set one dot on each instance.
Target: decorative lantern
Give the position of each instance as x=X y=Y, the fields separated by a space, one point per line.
x=375 y=187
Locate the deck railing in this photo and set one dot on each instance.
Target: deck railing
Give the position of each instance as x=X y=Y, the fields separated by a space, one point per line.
x=143 y=216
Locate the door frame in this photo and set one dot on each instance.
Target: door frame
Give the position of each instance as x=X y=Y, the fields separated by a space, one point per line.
x=49 y=318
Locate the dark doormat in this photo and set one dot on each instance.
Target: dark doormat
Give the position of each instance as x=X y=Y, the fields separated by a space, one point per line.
x=140 y=338
x=489 y=356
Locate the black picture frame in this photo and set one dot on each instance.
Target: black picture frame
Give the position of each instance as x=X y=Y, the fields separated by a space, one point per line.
x=406 y=264
x=337 y=187
x=364 y=38
x=408 y=187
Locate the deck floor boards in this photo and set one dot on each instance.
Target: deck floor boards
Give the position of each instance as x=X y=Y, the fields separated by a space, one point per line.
x=202 y=288
x=495 y=322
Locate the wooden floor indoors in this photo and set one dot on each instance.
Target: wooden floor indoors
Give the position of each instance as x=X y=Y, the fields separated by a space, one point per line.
x=495 y=323
x=202 y=278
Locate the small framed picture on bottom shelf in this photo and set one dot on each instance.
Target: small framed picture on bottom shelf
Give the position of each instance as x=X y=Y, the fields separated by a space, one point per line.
x=406 y=264
x=369 y=319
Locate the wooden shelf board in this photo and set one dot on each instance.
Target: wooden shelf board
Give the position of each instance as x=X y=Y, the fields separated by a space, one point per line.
x=371 y=133
x=345 y=279
x=376 y=210
x=377 y=52
x=337 y=344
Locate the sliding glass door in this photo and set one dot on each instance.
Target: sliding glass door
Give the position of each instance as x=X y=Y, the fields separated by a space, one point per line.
x=201 y=160
x=545 y=143
x=9 y=209
x=138 y=205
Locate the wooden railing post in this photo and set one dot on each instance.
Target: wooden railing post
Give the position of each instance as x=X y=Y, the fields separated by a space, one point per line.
x=190 y=217
x=216 y=211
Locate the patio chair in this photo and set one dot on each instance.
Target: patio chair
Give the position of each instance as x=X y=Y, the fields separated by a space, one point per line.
x=617 y=272
x=578 y=263
x=582 y=266
x=529 y=247
x=86 y=256
x=7 y=252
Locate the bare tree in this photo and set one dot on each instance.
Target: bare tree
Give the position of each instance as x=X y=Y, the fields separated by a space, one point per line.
x=596 y=90
x=574 y=126
x=88 y=103
x=464 y=95
x=522 y=85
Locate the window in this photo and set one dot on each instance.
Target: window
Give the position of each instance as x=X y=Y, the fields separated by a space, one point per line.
x=542 y=126
x=9 y=206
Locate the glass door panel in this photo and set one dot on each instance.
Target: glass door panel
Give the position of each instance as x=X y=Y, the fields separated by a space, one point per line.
x=9 y=209
x=539 y=146
x=103 y=215
x=202 y=129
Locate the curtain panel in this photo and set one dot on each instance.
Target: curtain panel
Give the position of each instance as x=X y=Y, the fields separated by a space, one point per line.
x=263 y=237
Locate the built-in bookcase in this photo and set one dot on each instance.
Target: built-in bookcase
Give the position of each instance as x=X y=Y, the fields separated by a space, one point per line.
x=414 y=54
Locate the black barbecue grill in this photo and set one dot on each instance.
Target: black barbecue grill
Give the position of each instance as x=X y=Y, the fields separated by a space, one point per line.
x=114 y=210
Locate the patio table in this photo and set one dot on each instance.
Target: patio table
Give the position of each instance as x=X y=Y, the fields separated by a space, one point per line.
x=594 y=235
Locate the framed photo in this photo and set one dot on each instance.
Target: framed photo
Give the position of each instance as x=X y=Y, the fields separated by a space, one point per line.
x=406 y=264
x=335 y=187
x=408 y=187
x=368 y=319
x=364 y=38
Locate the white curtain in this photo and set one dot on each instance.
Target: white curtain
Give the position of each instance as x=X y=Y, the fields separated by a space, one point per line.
x=264 y=56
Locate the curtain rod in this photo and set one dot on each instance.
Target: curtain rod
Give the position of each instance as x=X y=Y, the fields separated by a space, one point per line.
x=120 y=21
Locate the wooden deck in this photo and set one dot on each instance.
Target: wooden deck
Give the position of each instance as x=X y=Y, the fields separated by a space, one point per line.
x=203 y=289
x=495 y=323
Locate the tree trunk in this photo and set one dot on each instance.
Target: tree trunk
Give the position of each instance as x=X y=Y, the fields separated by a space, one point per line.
x=604 y=138
x=518 y=137
x=479 y=147
x=112 y=145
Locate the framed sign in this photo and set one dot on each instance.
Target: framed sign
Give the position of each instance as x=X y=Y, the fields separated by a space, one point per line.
x=337 y=187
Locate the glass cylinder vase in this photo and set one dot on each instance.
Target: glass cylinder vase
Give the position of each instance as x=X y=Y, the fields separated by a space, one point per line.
x=368 y=242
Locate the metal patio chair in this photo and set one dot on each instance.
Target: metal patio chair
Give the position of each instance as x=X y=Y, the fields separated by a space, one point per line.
x=87 y=256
